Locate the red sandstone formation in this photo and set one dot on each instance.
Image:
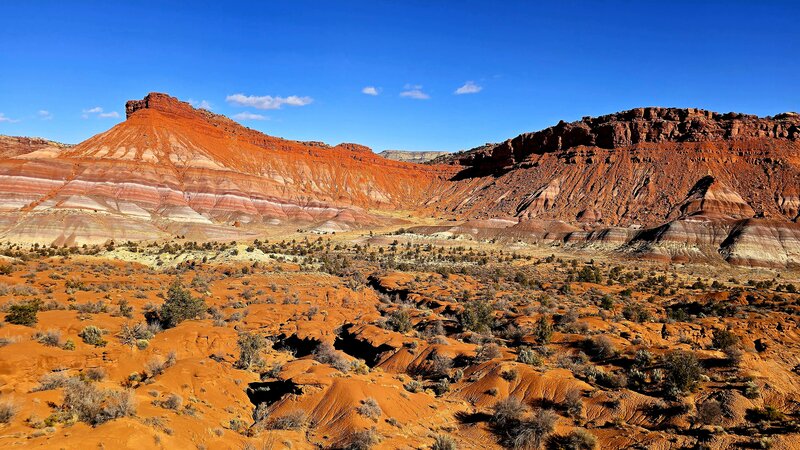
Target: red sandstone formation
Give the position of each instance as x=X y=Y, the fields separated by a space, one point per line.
x=673 y=184
x=170 y=168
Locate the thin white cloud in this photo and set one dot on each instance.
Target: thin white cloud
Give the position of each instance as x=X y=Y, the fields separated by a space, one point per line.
x=370 y=90
x=202 y=104
x=249 y=116
x=97 y=110
x=44 y=114
x=414 y=91
x=267 y=101
x=4 y=119
x=468 y=88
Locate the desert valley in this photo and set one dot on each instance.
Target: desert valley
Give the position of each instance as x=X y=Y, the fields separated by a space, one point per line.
x=182 y=281
x=401 y=225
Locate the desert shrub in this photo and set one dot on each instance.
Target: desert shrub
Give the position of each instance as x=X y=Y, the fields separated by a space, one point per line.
x=532 y=432
x=577 y=439
x=326 y=354
x=485 y=352
x=443 y=442
x=442 y=387
x=294 y=420
x=400 y=321
x=440 y=365
x=599 y=348
x=50 y=338
x=125 y=309
x=369 y=408
x=635 y=312
x=507 y=413
x=527 y=355
x=93 y=336
x=751 y=390
x=132 y=334
x=477 y=316
x=573 y=403
x=157 y=366
x=250 y=346
x=642 y=358
x=723 y=339
x=50 y=381
x=8 y=409
x=90 y=307
x=542 y=331
x=179 y=306
x=360 y=440
x=413 y=386
x=709 y=412
x=768 y=413
x=95 y=406
x=173 y=402
x=23 y=313
x=682 y=371
x=94 y=374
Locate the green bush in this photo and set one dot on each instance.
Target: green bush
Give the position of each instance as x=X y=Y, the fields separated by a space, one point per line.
x=93 y=336
x=24 y=313
x=683 y=371
x=180 y=306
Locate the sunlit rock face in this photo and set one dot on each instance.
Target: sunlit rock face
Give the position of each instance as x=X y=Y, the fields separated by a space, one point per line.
x=673 y=184
x=170 y=162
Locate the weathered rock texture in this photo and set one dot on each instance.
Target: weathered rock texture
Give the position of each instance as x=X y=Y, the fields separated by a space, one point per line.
x=673 y=184
x=170 y=168
x=691 y=179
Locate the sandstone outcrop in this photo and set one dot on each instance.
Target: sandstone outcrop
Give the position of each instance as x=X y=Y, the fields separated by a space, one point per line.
x=170 y=163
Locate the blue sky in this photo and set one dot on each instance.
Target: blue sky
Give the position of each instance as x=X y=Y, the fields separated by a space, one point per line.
x=66 y=70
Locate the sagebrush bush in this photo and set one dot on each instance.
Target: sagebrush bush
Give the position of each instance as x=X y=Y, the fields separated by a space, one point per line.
x=326 y=354
x=8 y=409
x=294 y=420
x=529 y=356
x=443 y=442
x=370 y=409
x=94 y=405
x=93 y=335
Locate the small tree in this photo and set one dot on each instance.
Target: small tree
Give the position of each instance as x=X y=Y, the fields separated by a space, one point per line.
x=180 y=306
x=400 y=320
x=683 y=371
x=250 y=344
x=543 y=331
x=477 y=316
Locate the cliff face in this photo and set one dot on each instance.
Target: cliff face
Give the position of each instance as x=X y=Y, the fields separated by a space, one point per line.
x=170 y=168
x=636 y=126
x=692 y=174
x=678 y=184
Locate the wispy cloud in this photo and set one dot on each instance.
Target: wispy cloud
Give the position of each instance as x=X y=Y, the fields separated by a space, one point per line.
x=4 y=119
x=249 y=116
x=414 y=91
x=267 y=101
x=202 y=104
x=371 y=90
x=44 y=114
x=98 y=111
x=468 y=88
